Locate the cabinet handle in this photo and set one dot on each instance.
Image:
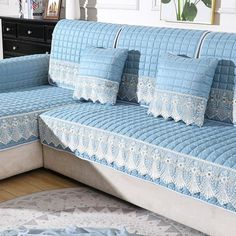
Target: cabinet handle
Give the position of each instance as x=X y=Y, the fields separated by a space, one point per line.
x=8 y=29
x=29 y=32
x=14 y=48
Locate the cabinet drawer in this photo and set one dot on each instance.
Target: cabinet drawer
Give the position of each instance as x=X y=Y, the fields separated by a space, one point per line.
x=27 y=31
x=9 y=29
x=14 y=47
x=49 y=31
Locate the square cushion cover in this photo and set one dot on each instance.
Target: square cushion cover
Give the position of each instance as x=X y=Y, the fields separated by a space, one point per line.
x=182 y=88
x=100 y=74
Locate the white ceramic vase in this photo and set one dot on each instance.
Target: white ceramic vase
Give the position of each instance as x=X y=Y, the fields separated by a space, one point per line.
x=72 y=9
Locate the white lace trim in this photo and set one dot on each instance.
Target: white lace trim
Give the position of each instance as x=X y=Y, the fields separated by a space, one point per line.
x=137 y=88
x=20 y=126
x=221 y=105
x=15 y=128
x=146 y=89
x=63 y=73
x=96 y=89
x=128 y=87
x=196 y=175
x=188 y=108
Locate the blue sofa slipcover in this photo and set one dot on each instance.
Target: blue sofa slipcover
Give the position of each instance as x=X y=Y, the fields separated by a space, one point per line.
x=23 y=72
x=69 y=39
x=222 y=99
x=146 y=44
x=24 y=94
x=25 y=91
x=198 y=163
x=19 y=112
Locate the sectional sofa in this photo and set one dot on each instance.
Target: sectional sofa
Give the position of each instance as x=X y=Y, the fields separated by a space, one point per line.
x=182 y=172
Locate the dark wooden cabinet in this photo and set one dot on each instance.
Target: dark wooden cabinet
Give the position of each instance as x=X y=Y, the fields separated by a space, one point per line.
x=26 y=36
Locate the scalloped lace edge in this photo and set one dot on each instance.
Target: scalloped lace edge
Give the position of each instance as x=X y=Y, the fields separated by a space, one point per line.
x=96 y=90
x=188 y=108
x=197 y=176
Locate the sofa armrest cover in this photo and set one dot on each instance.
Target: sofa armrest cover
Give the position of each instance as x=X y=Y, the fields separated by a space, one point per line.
x=23 y=72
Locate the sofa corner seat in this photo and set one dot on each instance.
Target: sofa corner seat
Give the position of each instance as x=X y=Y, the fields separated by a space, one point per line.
x=31 y=85
x=187 y=164
x=123 y=141
x=24 y=94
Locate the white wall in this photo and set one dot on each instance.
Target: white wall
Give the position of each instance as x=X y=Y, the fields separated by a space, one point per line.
x=138 y=12
x=147 y=12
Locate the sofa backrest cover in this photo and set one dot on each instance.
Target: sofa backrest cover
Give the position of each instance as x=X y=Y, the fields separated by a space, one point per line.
x=222 y=102
x=70 y=37
x=146 y=44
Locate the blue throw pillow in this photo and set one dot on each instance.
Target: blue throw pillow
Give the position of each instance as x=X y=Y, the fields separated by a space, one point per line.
x=182 y=88
x=100 y=74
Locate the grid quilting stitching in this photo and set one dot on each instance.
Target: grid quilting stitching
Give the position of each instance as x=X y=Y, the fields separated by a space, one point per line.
x=223 y=47
x=127 y=120
x=71 y=37
x=33 y=99
x=207 y=172
x=146 y=44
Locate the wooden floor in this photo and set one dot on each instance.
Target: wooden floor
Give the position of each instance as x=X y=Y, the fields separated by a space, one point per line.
x=31 y=182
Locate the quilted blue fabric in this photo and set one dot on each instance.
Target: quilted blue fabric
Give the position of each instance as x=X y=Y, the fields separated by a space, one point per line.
x=146 y=45
x=197 y=162
x=100 y=74
x=221 y=105
x=70 y=37
x=19 y=112
x=182 y=88
x=23 y=72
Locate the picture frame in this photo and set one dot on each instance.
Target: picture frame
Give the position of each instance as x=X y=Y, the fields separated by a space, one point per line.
x=188 y=11
x=52 y=9
x=35 y=9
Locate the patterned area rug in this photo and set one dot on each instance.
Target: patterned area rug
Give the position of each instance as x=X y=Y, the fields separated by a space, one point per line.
x=70 y=231
x=85 y=207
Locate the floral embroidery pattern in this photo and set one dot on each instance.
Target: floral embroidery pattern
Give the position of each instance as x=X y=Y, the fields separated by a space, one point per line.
x=134 y=88
x=96 y=90
x=63 y=73
x=17 y=127
x=221 y=105
x=190 y=109
x=183 y=173
x=146 y=89
x=128 y=88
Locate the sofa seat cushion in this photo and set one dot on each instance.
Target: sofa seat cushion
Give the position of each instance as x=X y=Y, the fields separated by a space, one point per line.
x=19 y=111
x=199 y=162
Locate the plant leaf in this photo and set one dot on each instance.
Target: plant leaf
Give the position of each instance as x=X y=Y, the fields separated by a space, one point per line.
x=189 y=12
x=165 y=1
x=208 y=3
